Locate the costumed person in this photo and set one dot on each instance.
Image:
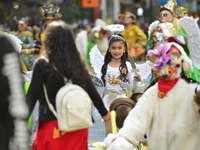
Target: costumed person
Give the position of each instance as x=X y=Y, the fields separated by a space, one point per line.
x=114 y=69
x=120 y=109
x=134 y=36
x=97 y=36
x=49 y=14
x=62 y=54
x=13 y=108
x=174 y=26
x=83 y=41
x=167 y=110
x=17 y=43
x=26 y=37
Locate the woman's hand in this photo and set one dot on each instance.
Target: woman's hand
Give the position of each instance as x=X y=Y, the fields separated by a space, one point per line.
x=137 y=77
x=130 y=95
x=22 y=52
x=106 y=117
x=25 y=51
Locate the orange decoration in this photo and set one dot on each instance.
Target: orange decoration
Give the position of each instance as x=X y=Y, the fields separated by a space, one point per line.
x=89 y=3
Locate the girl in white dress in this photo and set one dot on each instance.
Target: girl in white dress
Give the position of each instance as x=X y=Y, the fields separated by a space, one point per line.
x=115 y=69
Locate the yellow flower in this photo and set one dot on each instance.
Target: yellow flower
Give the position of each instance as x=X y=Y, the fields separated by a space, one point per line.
x=123 y=70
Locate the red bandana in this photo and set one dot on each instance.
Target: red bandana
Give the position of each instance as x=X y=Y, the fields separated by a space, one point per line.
x=164 y=85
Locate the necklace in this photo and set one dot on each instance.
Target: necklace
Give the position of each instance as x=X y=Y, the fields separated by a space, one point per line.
x=116 y=59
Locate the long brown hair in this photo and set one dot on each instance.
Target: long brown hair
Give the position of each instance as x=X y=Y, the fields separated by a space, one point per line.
x=61 y=51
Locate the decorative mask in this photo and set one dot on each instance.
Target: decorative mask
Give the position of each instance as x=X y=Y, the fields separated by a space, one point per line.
x=169 y=59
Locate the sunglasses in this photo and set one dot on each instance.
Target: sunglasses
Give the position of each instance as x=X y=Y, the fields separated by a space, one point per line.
x=164 y=15
x=127 y=17
x=21 y=24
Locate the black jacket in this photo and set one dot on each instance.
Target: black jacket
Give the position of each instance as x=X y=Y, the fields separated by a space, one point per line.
x=53 y=84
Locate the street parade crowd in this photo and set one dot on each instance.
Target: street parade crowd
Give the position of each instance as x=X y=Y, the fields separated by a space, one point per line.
x=37 y=62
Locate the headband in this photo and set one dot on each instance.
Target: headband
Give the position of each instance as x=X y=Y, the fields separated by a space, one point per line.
x=114 y=30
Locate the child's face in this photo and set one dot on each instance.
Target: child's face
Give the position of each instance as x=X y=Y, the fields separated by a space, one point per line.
x=117 y=49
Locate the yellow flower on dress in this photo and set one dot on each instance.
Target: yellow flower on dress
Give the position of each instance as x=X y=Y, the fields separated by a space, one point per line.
x=123 y=70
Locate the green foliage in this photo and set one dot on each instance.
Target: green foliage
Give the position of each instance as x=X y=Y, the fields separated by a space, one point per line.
x=71 y=11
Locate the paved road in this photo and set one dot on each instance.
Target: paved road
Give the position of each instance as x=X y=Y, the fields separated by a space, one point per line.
x=97 y=131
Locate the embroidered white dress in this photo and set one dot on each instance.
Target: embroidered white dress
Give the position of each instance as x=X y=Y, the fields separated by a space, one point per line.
x=112 y=76
x=112 y=88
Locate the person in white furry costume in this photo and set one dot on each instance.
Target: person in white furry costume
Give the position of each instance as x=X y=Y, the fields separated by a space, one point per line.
x=167 y=111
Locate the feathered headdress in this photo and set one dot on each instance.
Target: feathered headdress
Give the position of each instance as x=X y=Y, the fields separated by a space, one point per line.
x=114 y=30
x=49 y=10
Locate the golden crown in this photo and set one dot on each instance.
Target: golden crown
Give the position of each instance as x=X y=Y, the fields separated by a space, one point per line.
x=50 y=9
x=173 y=7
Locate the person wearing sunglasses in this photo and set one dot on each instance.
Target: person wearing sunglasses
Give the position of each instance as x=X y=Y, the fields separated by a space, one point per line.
x=26 y=37
x=169 y=28
x=49 y=14
x=134 y=35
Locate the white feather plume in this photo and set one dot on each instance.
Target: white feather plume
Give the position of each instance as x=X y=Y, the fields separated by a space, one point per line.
x=115 y=28
x=190 y=26
x=97 y=60
x=14 y=40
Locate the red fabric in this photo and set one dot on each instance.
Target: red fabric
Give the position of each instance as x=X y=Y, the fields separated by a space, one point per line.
x=171 y=39
x=50 y=138
x=164 y=85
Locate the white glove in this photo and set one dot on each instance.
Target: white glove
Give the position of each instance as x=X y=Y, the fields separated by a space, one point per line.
x=120 y=143
x=108 y=140
x=112 y=142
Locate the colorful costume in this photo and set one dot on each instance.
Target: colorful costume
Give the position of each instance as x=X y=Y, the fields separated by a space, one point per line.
x=167 y=110
x=113 y=86
x=185 y=27
x=48 y=10
x=27 y=40
x=135 y=38
x=133 y=34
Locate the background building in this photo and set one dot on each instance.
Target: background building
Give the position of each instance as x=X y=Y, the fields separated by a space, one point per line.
x=84 y=11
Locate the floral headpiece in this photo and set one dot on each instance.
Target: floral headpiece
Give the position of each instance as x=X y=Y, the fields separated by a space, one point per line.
x=115 y=29
x=160 y=52
x=173 y=7
x=50 y=10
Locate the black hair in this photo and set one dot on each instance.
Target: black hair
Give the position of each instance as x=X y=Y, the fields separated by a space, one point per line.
x=108 y=57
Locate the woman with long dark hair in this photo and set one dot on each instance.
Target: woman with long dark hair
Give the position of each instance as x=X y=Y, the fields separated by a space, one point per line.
x=61 y=52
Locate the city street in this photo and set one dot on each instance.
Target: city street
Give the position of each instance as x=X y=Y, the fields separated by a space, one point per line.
x=97 y=131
